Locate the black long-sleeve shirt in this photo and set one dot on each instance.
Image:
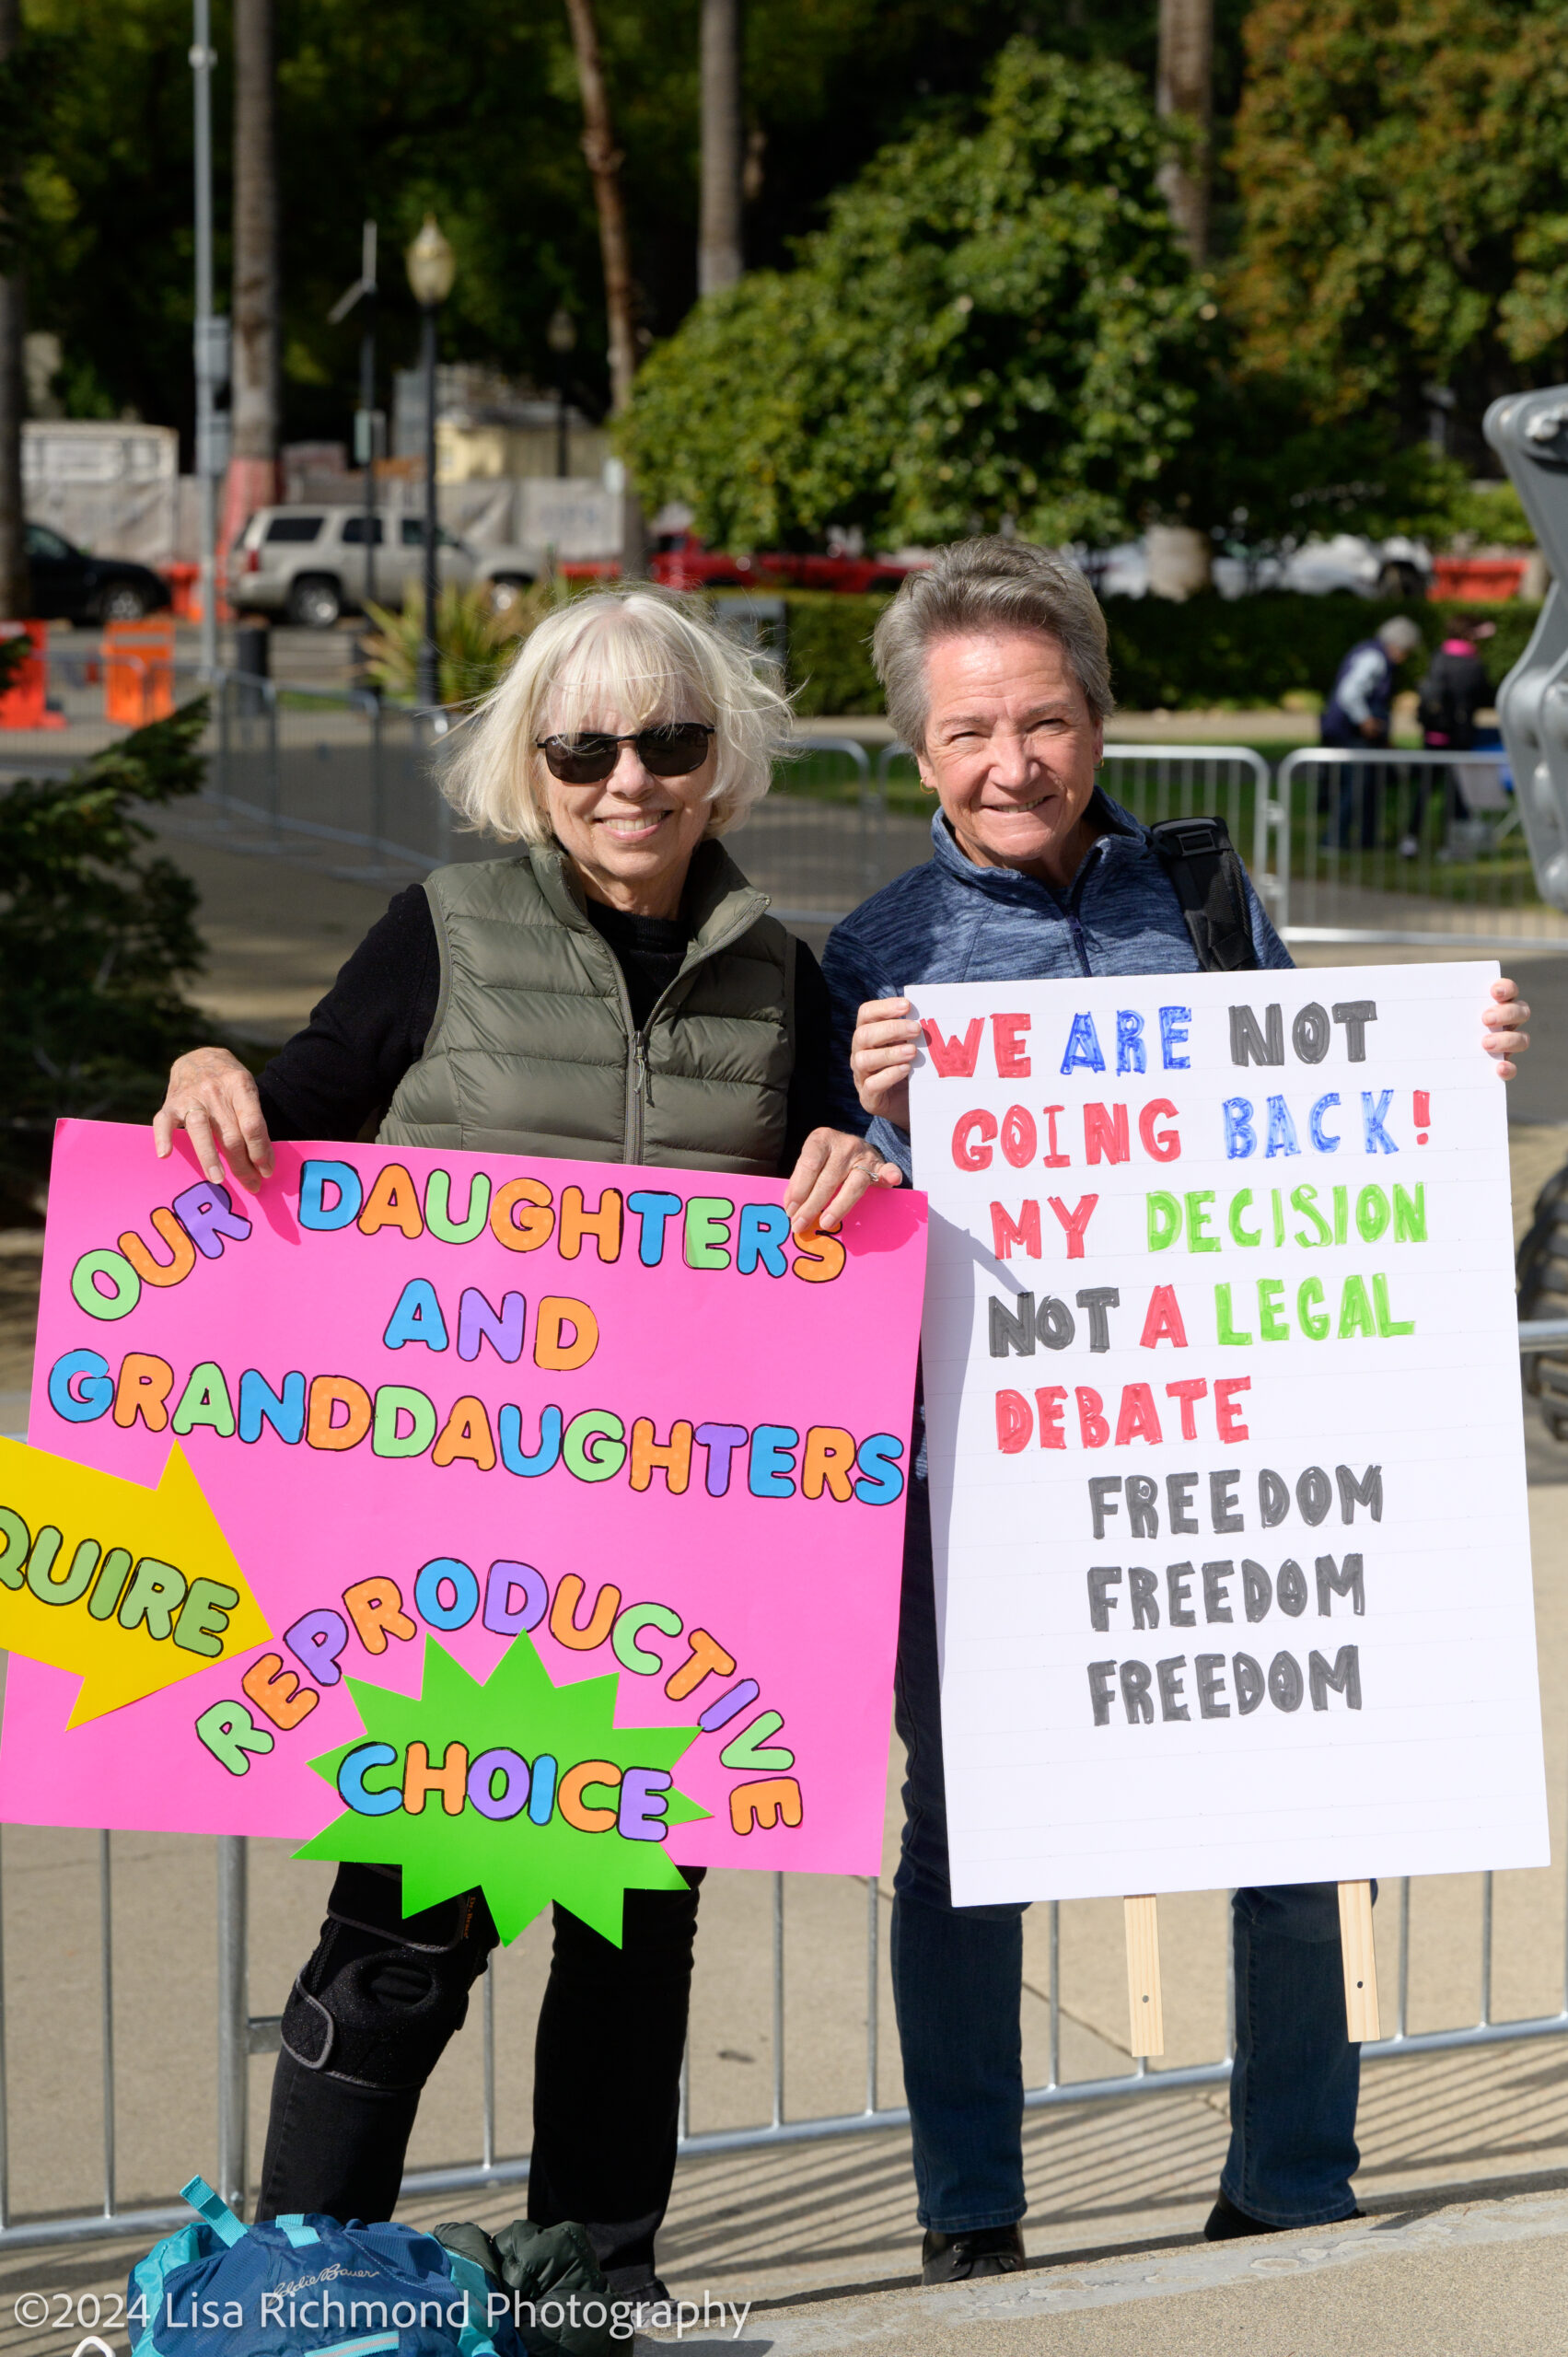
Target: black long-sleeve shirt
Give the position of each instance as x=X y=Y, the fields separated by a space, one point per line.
x=339 y=1074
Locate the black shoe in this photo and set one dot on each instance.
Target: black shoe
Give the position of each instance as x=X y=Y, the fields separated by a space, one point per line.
x=1226 y=2222
x=962 y=2258
x=636 y=2287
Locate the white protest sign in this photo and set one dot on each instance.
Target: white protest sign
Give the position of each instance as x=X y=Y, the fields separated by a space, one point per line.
x=1226 y=1445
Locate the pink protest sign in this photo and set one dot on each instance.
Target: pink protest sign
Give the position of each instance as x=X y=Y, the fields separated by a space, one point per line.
x=465 y=1396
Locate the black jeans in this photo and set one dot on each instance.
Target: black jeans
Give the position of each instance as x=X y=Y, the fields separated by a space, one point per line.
x=373 y=2009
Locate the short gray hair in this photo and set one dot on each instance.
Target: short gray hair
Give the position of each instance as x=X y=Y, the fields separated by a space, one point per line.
x=1398 y=637
x=983 y=585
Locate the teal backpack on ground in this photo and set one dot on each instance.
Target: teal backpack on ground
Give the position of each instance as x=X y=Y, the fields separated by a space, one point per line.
x=310 y=2287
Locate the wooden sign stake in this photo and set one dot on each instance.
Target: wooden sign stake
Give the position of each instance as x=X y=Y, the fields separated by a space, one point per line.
x=1144 y=1976
x=1359 y=1962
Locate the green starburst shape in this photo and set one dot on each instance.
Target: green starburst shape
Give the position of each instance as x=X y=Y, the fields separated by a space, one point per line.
x=519 y=1865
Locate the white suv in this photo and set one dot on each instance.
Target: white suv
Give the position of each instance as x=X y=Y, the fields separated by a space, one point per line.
x=307 y=564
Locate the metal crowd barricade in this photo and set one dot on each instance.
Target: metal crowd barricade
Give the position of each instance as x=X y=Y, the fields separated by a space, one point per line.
x=1413 y=849
x=815 y=844
x=316 y=770
x=249 y=2035
x=329 y=766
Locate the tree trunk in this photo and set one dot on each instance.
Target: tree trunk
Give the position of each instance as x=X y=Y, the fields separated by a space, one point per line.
x=15 y=598
x=604 y=163
x=719 y=259
x=253 y=469
x=1184 y=95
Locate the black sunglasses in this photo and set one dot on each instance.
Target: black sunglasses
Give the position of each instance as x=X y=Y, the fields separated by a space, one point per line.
x=675 y=750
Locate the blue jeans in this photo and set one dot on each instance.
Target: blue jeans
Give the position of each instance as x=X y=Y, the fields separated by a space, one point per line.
x=958 y=1975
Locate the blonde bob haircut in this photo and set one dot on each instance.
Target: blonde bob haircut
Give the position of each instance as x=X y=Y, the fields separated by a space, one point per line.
x=645 y=655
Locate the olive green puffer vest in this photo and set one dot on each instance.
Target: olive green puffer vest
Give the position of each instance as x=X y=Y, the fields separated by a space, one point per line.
x=533 y=1050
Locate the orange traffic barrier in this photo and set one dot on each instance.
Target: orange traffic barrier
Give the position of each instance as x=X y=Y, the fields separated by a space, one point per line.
x=24 y=705
x=185 y=592
x=182 y=579
x=138 y=672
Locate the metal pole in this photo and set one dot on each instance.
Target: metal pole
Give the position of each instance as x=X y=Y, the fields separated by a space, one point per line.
x=428 y=691
x=873 y=1900
x=489 y=2158
x=1485 y=1950
x=225 y=749
x=234 y=2017
x=378 y=794
x=1404 y=2024
x=105 y=1923
x=3 y=2056
x=367 y=404
x=274 y=768
x=1055 y=1993
x=201 y=60
x=778 y=2000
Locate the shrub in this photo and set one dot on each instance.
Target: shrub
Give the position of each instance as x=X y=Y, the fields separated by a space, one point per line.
x=475 y=640
x=1253 y=651
x=828 y=659
x=1249 y=651
x=94 y=942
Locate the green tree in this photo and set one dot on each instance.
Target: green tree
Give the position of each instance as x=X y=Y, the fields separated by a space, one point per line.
x=997 y=322
x=96 y=939
x=1404 y=187
x=1264 y=473
x=406 y=107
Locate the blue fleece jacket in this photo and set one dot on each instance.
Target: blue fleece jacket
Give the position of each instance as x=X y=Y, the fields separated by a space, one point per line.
x=952 y=922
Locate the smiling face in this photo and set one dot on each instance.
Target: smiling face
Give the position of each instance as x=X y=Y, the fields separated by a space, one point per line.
x=1010 y=749
x=631 y=839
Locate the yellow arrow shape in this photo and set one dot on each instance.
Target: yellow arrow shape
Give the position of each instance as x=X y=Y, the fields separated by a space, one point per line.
x=135 y=1588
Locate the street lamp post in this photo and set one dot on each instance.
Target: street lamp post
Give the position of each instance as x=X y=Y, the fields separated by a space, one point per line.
x=211 y=338
x=364 y=451
x=562 y=337
x=431 y=268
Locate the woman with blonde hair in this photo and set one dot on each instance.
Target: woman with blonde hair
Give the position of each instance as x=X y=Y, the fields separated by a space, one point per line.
x=612 y=989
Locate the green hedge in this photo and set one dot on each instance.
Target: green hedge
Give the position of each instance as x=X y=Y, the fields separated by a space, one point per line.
x=1248 y=652
x=1253 y=651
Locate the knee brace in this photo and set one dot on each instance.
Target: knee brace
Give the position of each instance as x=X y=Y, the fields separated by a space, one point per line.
x=382 y=1994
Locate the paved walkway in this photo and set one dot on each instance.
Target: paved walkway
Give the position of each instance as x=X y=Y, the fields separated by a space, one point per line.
x=1474 y=2273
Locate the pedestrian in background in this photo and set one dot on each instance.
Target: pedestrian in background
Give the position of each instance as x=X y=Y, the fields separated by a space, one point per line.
x=1357 y=714
x=1456 y=688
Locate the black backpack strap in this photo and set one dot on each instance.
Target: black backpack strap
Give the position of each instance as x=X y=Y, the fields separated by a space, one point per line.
x=1211 y=884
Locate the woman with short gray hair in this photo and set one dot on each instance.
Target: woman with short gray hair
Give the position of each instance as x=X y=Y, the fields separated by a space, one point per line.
x=989 y=586
x=995 y=666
